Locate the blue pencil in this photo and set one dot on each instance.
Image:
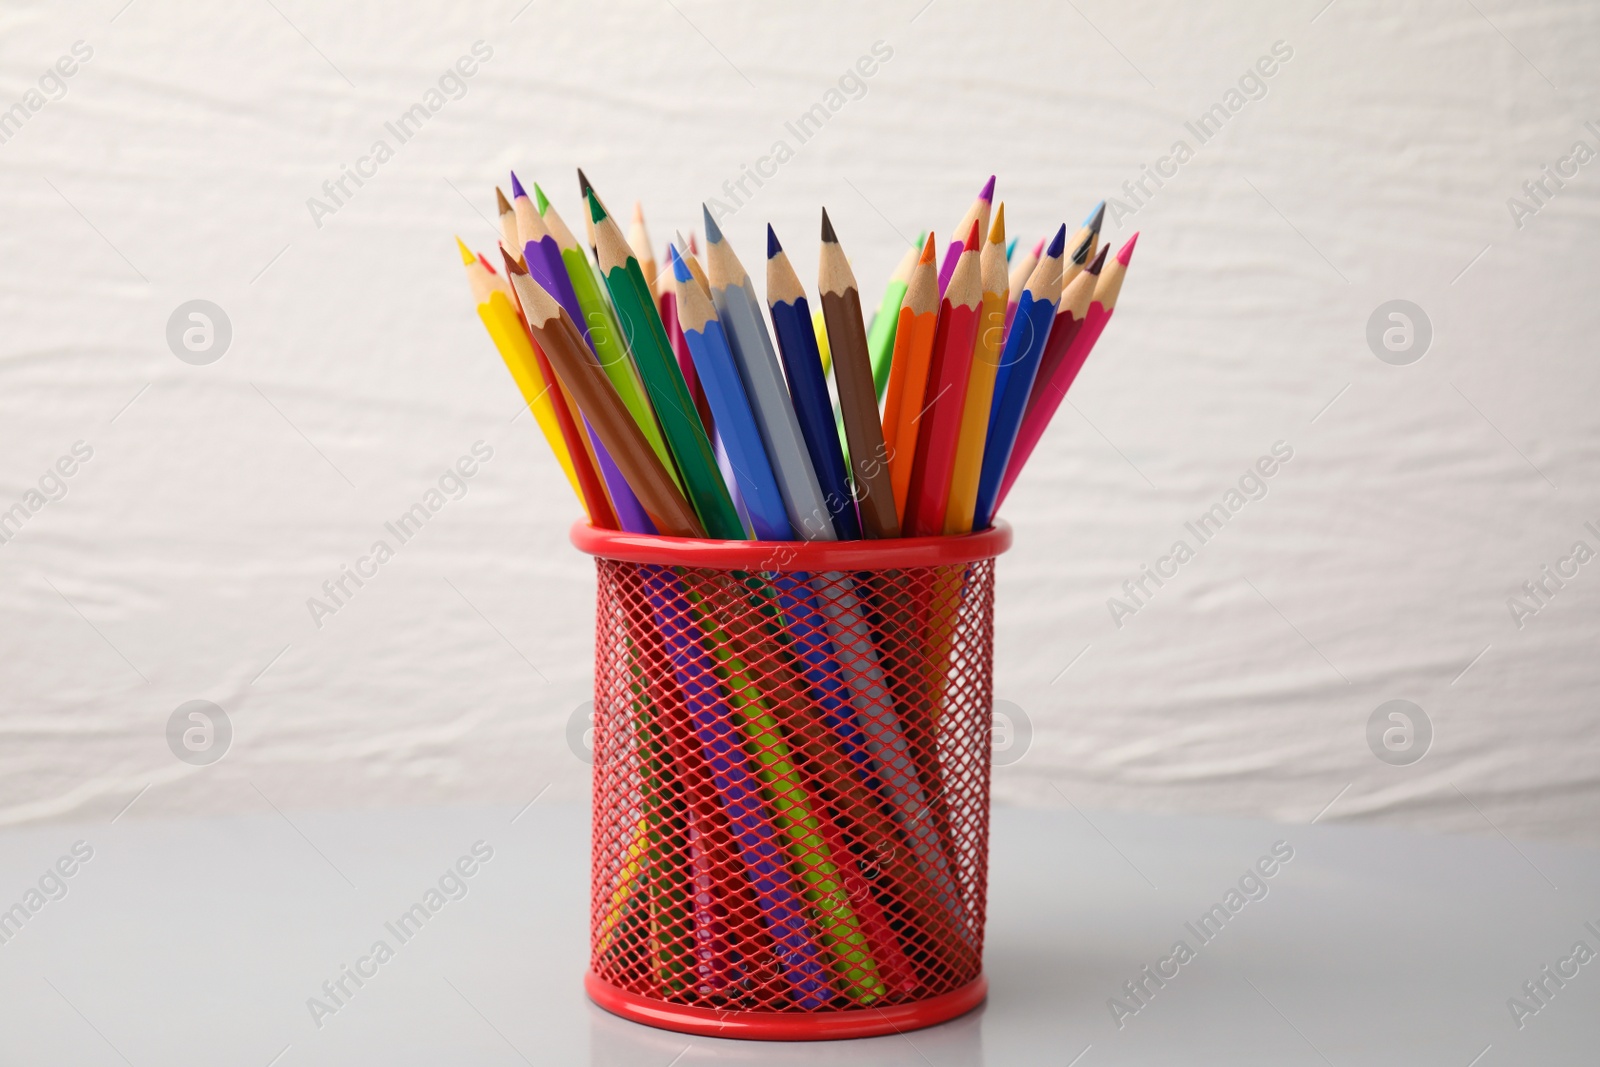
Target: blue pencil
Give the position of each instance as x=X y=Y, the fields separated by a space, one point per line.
x=797 y=344
x=1019 y=362
x=730 y=407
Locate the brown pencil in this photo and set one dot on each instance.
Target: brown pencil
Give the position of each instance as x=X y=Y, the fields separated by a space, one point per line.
x=852 y=363
x=578 y=369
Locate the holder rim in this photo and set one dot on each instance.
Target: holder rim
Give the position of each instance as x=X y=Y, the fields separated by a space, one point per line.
x=786 y=1026
x=789 y=556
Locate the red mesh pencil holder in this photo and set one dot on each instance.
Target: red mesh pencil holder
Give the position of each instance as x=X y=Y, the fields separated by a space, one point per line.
x=791 y=782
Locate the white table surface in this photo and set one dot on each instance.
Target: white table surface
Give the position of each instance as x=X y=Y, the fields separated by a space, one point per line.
x=200 y=941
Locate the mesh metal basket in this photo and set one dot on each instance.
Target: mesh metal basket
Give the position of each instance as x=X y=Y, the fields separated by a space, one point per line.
x=791 y=782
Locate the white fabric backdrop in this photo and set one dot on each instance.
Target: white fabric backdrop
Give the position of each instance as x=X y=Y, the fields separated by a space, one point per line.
x=177 y=162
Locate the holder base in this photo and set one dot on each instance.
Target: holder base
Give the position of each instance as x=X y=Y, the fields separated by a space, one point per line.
x=785 y=1026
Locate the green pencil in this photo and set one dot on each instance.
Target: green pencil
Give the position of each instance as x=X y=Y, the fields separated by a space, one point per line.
x=880 y=338
x=641 y=326
x=600 y=326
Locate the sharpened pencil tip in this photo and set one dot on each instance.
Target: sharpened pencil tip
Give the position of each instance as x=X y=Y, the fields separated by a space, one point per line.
x=1059 y=241
x=827 y=229
x=927 y=249
x=988 y=190
x=1081 y=253
x=997 y=232
x=486 y=264
x=512 y=266
x=1099 y=261
x=638 y=212
x=1038 y=249
x=680 y=269
x=971 y=243
x=467 y=258
x=713 y=231
x=1096 y=217
x=584 y=188
x=597 y=211
x=773 y=247
x=516 y=187
x=1127 y=249
x=542 y=201
x=500 y=201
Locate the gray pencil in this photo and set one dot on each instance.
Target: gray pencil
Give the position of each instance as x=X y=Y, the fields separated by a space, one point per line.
x=746 y=327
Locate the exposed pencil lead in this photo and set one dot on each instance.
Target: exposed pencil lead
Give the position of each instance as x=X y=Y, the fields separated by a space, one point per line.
x=516 y=187
x=584 y=188
x=713 y=231
x=773 y=247
x=467 y=258
x=988 y=190
x=512 y=266
x=597 y=211
x=540 y=200
x=1099 y=261
x=927 y=249
x=500 y=201
x=1081 y=253
x=486 y=264
x=1059 y=241
x=971 y=243
x=1096 y=217
x=997 y=232
x=1038 y=249
x=680 y=269
x=827 y=229
x=638 y=211
x=1127 y=249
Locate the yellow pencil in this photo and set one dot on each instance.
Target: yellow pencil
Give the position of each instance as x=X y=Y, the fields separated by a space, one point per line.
x=980 y=381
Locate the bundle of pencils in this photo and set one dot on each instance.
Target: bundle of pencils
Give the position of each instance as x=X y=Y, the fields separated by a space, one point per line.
x=676 y=404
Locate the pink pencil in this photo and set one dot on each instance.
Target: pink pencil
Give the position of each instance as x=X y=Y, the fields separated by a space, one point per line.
x=1047 y=395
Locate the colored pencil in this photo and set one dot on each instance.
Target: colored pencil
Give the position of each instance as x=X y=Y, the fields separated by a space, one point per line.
x=1020 y=270
x=797 y=343
x=652 y=355
x=980 y=382
x=908 y=373
x=497 y=308
x=1107 y=288
x=667 y=304
x=508 y=224
x=847 y=336
x=939 y=414
x=880 y=335
x=541 y=255
x=639 y=241
x=1083 y=244
x=598 y=324
x=738 y=790
x=585 y=462
x=979 y=213
x=1019 y=362
x=708 y=344
x=746 y=327
x=578 y=367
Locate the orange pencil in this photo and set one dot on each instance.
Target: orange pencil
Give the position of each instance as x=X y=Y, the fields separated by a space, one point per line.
x=908 y=370
x=980 y=380
x=939 y=416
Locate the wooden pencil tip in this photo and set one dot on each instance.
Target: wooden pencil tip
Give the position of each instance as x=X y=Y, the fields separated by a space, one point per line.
x=988 y=190
x=1081 y=253
x=997 y=232
x=584 y=188
x=467 y=258
x=638 y=212
x=713 y=231
x=513 y=266
x=516 y=187
x=1099 y=261
x=540 y=200
x=971 y=243
x=1038 y=249
x=927 y=249
x=1059 y=241
x=597 y=211
x=486 y=264
x=694 y=249
x=680 y=269
x=1127 y=249
x=827 y=229
x=1096 y=217
x=773 y=247
x=501 y=202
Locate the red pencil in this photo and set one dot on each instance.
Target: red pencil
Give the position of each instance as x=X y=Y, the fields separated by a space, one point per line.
x=1047 y=395
x=939 y=416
